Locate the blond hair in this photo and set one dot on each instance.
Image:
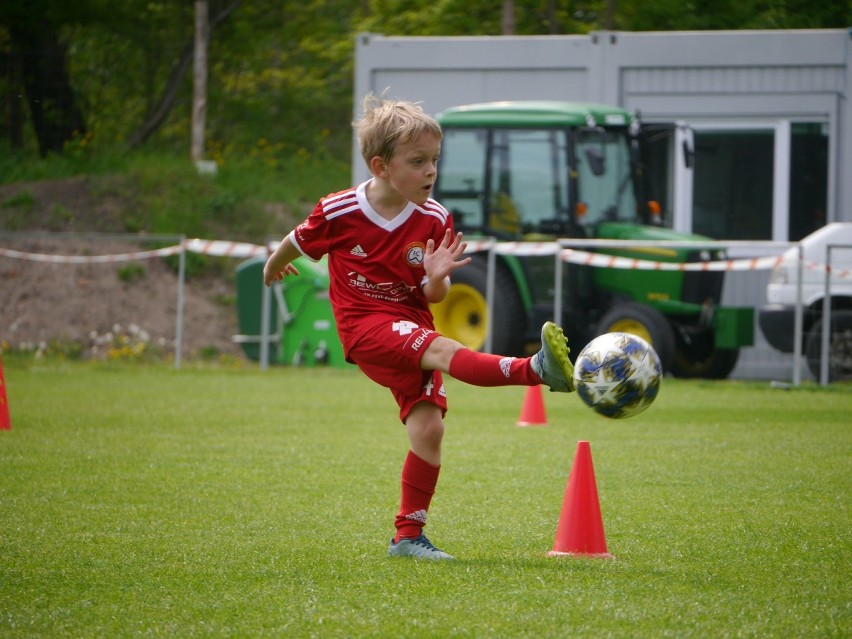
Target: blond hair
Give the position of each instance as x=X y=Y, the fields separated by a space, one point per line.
x=385 y=124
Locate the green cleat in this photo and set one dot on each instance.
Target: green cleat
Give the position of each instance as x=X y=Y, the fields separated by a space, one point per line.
x=551 y=363
x=419 y=548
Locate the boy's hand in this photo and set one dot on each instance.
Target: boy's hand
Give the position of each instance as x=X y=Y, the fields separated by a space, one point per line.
x=445 y=258
x=272 y=274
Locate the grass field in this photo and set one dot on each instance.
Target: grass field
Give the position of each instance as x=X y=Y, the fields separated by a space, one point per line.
x=215 y=502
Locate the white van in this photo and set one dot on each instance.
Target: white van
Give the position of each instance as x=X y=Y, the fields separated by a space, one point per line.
x=777 y=318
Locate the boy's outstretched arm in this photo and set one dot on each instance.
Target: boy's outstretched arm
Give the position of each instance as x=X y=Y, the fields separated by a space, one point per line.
x=439 y=262
x=278 y=265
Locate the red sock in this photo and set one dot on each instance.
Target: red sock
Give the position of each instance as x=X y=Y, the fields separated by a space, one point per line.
x=484 y=369
x=418 y=485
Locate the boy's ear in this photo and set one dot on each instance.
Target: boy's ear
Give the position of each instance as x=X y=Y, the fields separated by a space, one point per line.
x=378 y=167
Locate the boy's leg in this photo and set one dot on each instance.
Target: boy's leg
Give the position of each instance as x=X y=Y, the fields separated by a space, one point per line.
x=419 y=477
x=549 y=366
x=420 y=471
x=551 y=363
x=418 y=485
x=391 y=356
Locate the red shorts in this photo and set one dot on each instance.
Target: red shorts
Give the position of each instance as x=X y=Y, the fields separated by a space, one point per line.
x=390 y=355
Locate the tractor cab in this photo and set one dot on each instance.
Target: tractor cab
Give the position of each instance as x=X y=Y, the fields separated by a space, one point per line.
x=541 y=169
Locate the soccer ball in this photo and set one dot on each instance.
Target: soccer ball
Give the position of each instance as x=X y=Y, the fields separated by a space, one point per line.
x=618 y=374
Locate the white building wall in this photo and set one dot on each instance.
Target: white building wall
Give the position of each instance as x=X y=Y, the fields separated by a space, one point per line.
x=738 y=77
x=735 y=76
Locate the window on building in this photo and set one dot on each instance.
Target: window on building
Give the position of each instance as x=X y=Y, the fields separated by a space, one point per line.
x=733 y=184
x=808 y=179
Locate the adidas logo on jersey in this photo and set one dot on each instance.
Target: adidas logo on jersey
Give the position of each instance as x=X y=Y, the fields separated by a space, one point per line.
x=358 y=251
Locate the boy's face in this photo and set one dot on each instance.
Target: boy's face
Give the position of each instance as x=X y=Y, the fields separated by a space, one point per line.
x=413 y=168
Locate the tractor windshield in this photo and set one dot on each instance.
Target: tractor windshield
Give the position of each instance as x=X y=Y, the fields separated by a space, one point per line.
x=513 y=183
x=505 y=182
x=605 y=176
x=461 y=176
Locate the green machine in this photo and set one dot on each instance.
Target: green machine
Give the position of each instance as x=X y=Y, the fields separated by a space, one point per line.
x=302 y=328
x=543 y=171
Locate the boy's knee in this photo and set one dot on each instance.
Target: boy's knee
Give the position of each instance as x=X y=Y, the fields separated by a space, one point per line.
x=426 y=422
x=439 y=354
x=425 y=426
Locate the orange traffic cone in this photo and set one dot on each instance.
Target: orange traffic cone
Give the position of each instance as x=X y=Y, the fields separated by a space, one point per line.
x=532 y=412
x=580 y=531
x=5 y=420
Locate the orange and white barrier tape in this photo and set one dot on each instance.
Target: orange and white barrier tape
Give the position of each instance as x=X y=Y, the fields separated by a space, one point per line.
x=512 y=248
x=602 y=260
x=742 y=264
x=526 y=248
x=612 y=261
x=222 y=248
x=839 y=273
x=90 y=259
x=215 y=248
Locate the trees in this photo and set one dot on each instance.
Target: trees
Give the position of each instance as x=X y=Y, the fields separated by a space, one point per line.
x=199 y=79
x=158 y=111
x=280 y=72
x=35 y=59
x=127 y=59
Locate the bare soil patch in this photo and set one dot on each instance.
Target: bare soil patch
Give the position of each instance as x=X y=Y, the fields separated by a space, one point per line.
x=44 y=302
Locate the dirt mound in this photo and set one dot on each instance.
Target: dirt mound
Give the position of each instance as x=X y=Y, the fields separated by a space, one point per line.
x=91 y=304
x=79 y=204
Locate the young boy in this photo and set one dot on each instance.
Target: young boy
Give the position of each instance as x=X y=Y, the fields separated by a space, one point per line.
x=391 y=250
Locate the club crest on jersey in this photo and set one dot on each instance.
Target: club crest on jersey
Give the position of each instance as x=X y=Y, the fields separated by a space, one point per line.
x=414 y=254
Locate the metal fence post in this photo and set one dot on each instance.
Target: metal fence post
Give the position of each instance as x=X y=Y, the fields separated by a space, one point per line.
x=490 y=278
x=826 y=321
x=798 y=320
x=180 y=301
x=265 y=301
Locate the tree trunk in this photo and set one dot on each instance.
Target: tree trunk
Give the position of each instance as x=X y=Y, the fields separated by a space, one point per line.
x=507 y=18
x=158 y=115
x=53 y=106
x=609 y=21
x=199 y=85
x=15 y=99
x=552 y=26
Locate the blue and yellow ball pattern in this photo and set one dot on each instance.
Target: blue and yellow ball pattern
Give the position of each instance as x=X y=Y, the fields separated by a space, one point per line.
x=618 y=375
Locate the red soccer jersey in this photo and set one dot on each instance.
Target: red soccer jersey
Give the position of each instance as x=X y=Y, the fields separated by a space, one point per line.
x=375 y=265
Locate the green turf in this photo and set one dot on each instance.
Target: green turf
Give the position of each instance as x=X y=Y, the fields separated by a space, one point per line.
x=143 y=501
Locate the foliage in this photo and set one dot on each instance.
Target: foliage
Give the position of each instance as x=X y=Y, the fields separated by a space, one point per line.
x=464 y=18
x=672 y=15
x=131 y=272
x=161 y=193
x=16 y=210
x=132 y=343
x=219 y=502
x=280 y=74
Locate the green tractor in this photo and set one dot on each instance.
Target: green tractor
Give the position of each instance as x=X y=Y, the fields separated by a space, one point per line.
x=541 y=171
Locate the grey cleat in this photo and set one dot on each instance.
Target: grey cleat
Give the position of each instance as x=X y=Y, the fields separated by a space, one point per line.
x=419 y=548
x=551 y=363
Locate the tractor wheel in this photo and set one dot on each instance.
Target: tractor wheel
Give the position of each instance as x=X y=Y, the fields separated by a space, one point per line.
x=644 y=321
x=839 y=347
x=698 y=357
x=463 y=315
